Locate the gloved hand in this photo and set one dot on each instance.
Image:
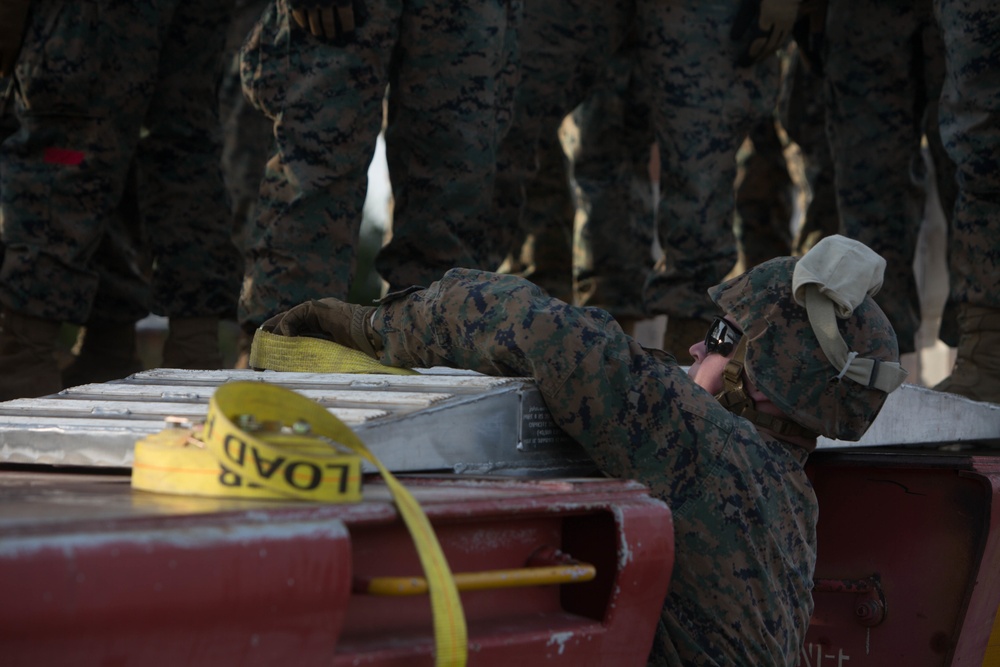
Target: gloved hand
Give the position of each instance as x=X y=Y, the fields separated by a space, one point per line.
x=763 y=26
x=334 y=20
x=13 y=18
x=345 y=323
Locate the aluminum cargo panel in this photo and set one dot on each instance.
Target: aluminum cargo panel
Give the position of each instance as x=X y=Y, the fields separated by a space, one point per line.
x=453 y=421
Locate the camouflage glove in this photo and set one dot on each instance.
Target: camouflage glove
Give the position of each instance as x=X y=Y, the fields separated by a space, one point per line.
x=13 y=19
x=345 y=323
x=762 y=26
x=334 y=20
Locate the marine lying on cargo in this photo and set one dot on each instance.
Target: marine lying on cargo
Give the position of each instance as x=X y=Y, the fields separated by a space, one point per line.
x=801 y=351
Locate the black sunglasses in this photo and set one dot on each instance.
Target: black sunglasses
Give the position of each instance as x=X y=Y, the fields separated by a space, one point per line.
x=721 y=338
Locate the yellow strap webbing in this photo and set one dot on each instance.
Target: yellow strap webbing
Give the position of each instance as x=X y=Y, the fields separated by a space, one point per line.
x=312 y=355
x=293 y=451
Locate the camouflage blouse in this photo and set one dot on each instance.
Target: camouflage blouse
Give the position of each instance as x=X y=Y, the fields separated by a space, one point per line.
x=744 y=512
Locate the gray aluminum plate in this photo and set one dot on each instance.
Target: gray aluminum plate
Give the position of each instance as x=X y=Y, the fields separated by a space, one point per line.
x=438 y=420
x=455 y=421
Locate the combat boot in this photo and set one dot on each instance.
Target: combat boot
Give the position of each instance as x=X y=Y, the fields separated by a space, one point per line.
x=108 y=353
x=976 y=373
x=28 y=366
x=681 y=334
x=193 y=343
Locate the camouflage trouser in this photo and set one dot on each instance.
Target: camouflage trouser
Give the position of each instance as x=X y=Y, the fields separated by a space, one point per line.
x=565 y=49
x=542 y=247
x=246 y=132
x=121 y=260
x=883 y=74
x=970 y=129
x=802 y=113
x=703 y=106
x=613 y=243
x=603 y=262
x=91 y=77
x=447 y=66
x=763 y=220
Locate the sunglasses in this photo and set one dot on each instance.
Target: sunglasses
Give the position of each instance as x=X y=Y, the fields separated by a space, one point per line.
x=721 y=338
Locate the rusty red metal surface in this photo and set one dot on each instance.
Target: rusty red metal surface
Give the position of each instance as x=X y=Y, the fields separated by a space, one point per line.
x=94 y=573
x=908 y=569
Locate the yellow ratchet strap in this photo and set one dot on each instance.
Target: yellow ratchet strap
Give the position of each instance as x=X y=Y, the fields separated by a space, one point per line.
x=264 y=441
x=303 y=354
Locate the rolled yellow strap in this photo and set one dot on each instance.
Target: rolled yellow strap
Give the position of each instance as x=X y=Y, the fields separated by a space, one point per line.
x=303 y=354
x=260 y=440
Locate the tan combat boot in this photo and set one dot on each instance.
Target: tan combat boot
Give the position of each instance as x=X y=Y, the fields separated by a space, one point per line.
x=682 y=333
x=193 y=343
x=28 y=365
x=108 y=353
x=976 y=373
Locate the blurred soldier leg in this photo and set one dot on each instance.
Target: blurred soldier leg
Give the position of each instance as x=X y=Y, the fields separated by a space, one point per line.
x=543 y=250
x=182 y=198
x=944 y=167
x=763 y=220
x=877 y=93
x=107 y=348
x=970 y=131
x=326 y=103
x=613 y=242
x=64 y=172
x=565 y=48
x=802 y=112
x=246 y=132
x=27 y=344
x=247 y=142
x=301 y=243
x=703 y=106
x=450 y=103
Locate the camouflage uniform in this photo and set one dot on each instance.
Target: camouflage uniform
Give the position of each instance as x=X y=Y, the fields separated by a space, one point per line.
x=613 y=241
x=703 y=106
x=565 y=48
x=92 y=75
x=447 y=65
x=8 y=122
x=542 y=248
x=970 y=130
x=603 y=257
x=744 y=512
x=884 y=68
x=763 y=219
x=802 y=114
x=246 y=132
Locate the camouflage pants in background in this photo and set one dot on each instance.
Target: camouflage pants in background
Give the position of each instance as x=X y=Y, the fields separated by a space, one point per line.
x=246 y=132
x=448 y=67
x=970 y=131
x=884 y=77
x=565 y=51
x=615 y=207
x=802 y=114
x=92 y=76
x=703 y=106
x=595 y=248
x=764 y=196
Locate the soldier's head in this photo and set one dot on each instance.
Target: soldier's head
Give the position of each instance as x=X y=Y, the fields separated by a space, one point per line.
x=806 y=336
